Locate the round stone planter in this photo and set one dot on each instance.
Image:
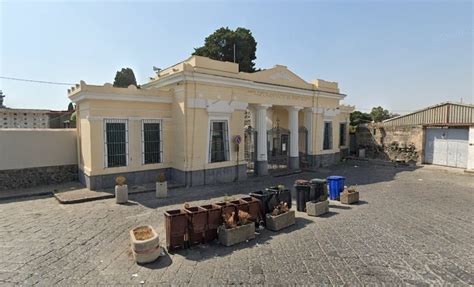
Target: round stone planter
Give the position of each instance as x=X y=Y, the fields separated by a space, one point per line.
x=121 y=193
x=161 y=189
x=145 y=251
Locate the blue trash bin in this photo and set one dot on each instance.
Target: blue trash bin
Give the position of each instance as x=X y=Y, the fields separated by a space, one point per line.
x=336 y=186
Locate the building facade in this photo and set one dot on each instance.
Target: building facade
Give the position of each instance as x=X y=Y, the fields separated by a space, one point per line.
x=202 y=121
x=24 y=118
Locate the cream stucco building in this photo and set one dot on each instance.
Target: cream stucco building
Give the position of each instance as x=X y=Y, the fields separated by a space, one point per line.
x=187 y=119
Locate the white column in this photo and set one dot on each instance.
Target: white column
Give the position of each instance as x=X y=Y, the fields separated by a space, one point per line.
x=261 y=165
x=294 y=134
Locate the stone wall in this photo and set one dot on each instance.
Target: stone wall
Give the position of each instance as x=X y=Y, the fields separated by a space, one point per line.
x=31 y=177
x=391 y=142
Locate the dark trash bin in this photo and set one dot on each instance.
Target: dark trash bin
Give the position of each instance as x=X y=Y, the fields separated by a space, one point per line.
x=319 y=190
x=302 y=188
x=264 y=197
x=281 y=194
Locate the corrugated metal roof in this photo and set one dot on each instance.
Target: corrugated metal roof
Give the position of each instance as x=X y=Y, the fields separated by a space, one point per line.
x=442 y=114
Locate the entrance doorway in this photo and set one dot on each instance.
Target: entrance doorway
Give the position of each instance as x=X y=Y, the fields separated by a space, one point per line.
x=278 y=145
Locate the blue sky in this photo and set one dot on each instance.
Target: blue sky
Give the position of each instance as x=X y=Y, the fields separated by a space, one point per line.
x=401 y=55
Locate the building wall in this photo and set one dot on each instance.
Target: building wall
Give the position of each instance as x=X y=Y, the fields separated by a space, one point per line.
x=392 y=142
x=31 y=157
x=24 y=118
x=192 y=94
x=27 y=148
x=92 y=116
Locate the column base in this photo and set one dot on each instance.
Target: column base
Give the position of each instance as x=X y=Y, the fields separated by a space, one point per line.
x=294 y=162
x=261 y=167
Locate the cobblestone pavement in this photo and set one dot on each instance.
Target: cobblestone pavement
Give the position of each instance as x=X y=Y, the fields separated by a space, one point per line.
x=413 y=226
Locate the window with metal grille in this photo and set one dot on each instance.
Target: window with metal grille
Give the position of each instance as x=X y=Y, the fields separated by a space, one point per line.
x=219 y=141
x=152 y=143
x=342 y=134
x=116 y=142
x=327 y=143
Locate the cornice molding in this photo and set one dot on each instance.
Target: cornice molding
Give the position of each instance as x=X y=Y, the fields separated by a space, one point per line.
x=226 y=81
x=81 y=96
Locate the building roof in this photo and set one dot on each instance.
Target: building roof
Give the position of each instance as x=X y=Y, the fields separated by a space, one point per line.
x=447 y=113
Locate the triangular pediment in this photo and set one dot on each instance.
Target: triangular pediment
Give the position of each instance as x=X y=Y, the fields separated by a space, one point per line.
x=279 y=75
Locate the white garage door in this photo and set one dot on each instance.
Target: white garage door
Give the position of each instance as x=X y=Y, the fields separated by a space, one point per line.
x=447 y=146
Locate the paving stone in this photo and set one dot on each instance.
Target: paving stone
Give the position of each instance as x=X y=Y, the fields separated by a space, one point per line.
x=404 y=231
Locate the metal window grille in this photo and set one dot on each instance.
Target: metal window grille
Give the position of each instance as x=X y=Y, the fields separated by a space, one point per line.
x=342 y=134
x=327 y=143
x=218 y=141
x=152 y=141
x=116 y=142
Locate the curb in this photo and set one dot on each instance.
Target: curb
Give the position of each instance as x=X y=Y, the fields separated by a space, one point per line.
x=18 y=196
x=81 y=200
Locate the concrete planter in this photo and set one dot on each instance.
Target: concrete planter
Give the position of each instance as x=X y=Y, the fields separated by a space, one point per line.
x=229 y=237
x=349 y=198
x=317 y=208
x=161 y=189
x=145 y=251
x=121 y=193
x=279 y=222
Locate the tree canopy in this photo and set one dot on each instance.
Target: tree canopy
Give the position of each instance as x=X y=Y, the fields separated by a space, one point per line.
x=379 y=114
x=358 y=117
x=220 y=46
x=125 y=78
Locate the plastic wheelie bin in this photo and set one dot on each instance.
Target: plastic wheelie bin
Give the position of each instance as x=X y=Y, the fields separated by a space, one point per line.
x=302 y=188
x=319 y=189
x=336 y=186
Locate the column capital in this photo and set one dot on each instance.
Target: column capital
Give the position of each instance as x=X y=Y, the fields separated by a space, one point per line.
x=293 y=108
x=260 y=106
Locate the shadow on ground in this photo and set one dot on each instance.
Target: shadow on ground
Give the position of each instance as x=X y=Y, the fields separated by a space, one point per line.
x=162 y=262
x=214 y=249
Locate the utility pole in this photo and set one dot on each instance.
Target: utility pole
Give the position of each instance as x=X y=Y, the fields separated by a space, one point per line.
x=1 y=99
x=234 y=52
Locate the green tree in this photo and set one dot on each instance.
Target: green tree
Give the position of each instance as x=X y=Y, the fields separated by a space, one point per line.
x=220 y=46
x=358 y=117
x=125 y=78
x=70 y=107
x=379 y=114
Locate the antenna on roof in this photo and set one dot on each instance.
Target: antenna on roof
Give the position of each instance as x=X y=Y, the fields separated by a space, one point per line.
x=156 y=69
